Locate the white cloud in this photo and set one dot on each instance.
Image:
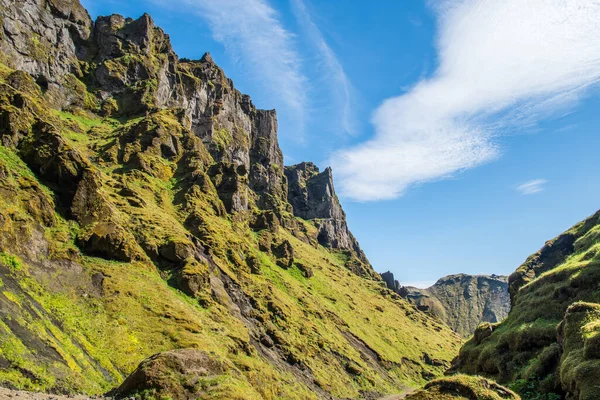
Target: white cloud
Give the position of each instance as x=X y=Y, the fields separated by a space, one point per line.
x=253 y=35
x=502 y=64
x=336 y=76
x=532 y=187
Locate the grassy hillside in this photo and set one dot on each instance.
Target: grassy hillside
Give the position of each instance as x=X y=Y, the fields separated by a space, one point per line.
x=547 y=347
x=114 y=249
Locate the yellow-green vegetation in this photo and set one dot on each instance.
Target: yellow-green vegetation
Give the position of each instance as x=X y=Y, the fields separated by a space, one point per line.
x=463 y=387
x=117 y=246
x=222 y=138
x=10 y=261
x=547 y=346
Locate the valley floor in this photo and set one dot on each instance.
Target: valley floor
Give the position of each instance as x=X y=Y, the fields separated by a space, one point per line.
x=6 y=394
x=23 y=395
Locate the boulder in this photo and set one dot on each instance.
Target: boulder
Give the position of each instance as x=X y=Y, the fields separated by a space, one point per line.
x=284 y=254
x=461 y=387
x=177 y=374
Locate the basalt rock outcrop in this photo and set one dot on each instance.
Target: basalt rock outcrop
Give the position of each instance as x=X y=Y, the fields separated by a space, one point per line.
x=461 y=301
x=144 y=210
x=312 y=196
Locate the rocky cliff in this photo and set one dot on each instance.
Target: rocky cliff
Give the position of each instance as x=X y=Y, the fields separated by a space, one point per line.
x=312 y=196
x=548 y=346
x=461 y=301
x=145 y=214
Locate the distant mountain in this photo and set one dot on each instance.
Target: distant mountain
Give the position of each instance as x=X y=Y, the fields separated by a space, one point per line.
x=461 y=301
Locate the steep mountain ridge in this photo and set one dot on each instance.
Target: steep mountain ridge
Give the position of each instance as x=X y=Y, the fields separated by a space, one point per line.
x=547 y=347
x=462 y=301
x=146 y=212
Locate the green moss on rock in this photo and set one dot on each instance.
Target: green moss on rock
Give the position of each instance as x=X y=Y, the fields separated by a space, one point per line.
x=463 y=387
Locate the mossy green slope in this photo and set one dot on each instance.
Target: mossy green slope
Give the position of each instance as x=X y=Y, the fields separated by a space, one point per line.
x=547 y=346
x=463 y=387
x=124 y=233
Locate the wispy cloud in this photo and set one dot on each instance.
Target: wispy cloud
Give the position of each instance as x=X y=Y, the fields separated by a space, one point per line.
x=532 y=187
x=502 y=63
x=337 y=78
x=253 y=35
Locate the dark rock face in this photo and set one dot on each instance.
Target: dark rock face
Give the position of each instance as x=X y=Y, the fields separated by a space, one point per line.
x=390 y=282
x=266 y=162
x=553 y=253
x=41 y=38
x=311 y=192
x=312 y=196
x=461 y=301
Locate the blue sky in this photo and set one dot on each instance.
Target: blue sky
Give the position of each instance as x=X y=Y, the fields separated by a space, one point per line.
x=462 y=133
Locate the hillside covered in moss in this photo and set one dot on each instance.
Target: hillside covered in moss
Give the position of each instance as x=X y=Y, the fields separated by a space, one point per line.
x=548 y=347
x=146 y=216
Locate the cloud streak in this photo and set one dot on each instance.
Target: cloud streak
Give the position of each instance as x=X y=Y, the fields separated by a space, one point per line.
x=532 y=187
x=339 y=82
x=502 y=64
x=253 y=35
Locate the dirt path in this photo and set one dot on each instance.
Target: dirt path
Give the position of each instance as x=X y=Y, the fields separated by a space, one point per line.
x=398 y=396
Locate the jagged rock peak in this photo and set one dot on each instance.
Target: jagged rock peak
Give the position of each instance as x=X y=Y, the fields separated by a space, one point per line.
x=312 y=196
x=70 y=10
x=390 y=281
x=126 y=67
x=311 y=193
x=117 y=36
x=207 y=58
